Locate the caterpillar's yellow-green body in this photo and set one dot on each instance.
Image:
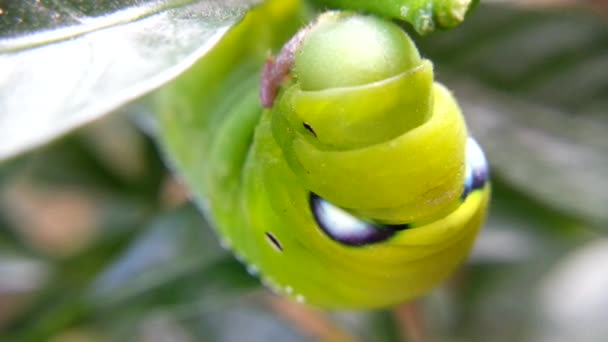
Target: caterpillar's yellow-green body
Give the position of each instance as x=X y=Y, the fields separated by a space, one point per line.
x=323 y=216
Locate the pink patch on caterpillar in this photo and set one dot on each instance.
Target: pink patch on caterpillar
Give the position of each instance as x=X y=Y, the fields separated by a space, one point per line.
x=277 y=69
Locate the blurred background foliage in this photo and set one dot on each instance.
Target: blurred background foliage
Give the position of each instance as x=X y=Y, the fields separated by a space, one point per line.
x=99 y=241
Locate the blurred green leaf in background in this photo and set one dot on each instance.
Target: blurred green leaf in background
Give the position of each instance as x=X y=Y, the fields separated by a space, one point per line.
x=99 y=240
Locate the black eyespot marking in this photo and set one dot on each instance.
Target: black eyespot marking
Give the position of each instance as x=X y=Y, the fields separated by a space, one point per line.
x=309 y=128
x=477 y=171
x=398 y=226
x=273 y=240
x=347 y=229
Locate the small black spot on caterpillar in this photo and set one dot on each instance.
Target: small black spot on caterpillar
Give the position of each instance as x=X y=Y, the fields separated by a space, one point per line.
x=309 y=128
x=273 y=240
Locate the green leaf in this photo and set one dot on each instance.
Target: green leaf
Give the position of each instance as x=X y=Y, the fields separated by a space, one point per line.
x=425 y=16
x=70 y=62
x=533 y=85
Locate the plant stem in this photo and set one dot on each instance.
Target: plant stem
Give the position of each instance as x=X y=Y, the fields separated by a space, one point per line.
x=411 y=322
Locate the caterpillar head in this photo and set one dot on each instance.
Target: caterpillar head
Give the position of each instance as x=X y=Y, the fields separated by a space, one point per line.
x=364 y=126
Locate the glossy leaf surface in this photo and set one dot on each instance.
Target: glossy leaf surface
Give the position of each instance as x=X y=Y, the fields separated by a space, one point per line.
x=68 y=63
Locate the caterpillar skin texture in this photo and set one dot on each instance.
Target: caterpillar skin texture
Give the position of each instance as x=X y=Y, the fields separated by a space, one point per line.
x=346 y=197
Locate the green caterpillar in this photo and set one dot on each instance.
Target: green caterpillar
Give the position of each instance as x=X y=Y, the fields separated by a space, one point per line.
x=358 y=187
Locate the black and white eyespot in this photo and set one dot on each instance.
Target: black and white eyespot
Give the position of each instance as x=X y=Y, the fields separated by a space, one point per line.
x=477 y=170
x=345 y=228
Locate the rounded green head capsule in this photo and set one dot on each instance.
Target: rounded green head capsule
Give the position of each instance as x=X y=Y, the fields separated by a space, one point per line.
x=365 y=127
x=346 y=50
